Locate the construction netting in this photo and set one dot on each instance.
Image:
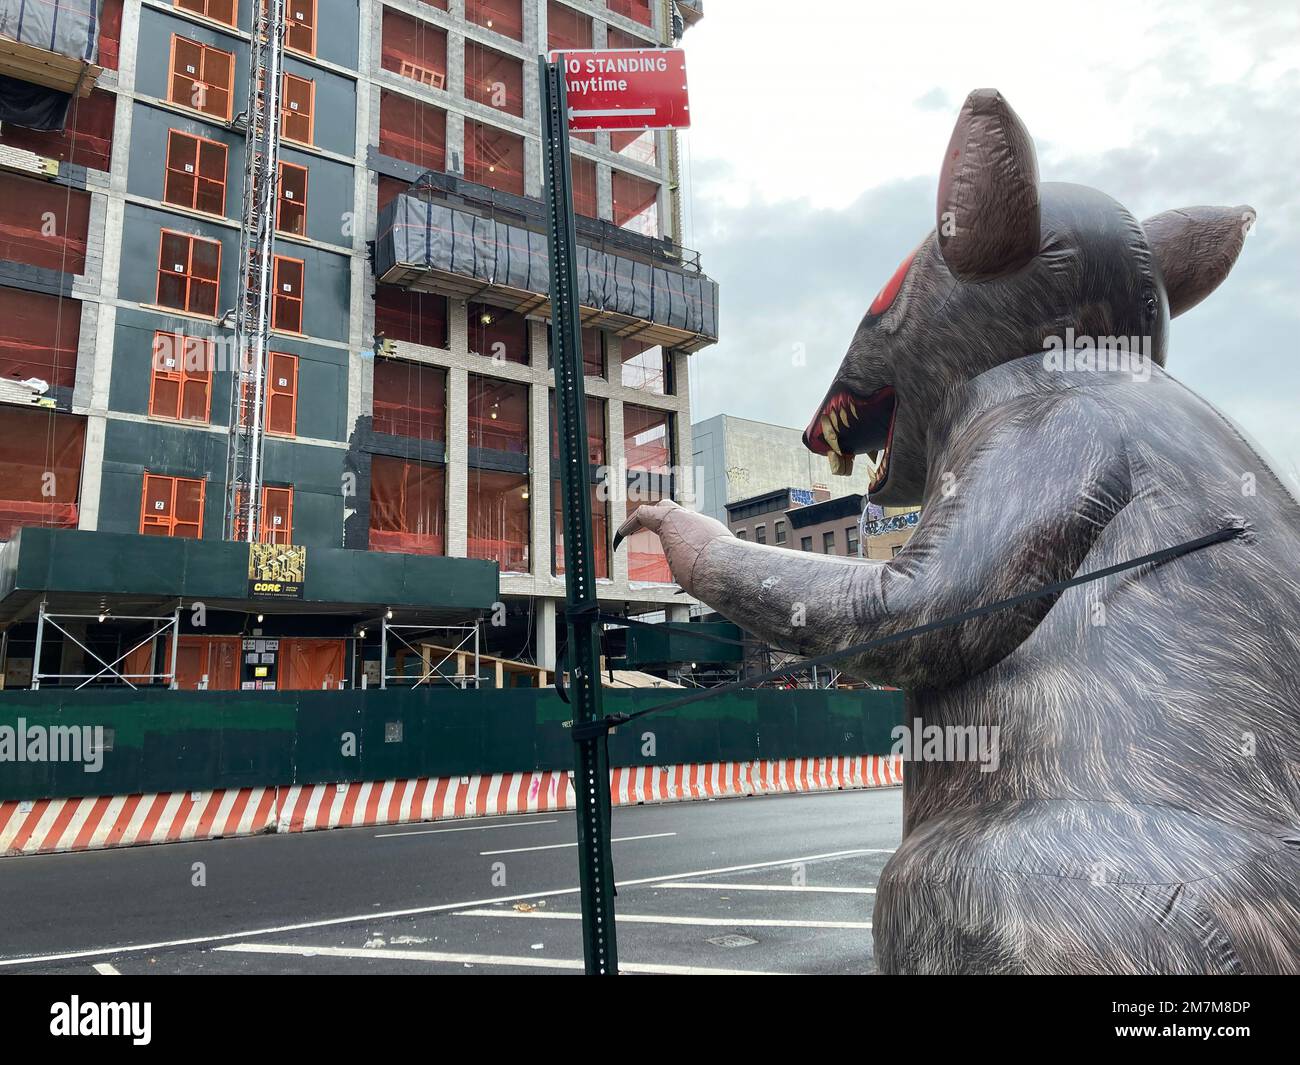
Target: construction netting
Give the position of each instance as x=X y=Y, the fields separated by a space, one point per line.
x=501 y=16
x=415 y=233
x=599 y=530
x=40 y=468
x=414 y=49
x=39 y=335
x=415 y=317
x=408 y=506
x=410 y=399
x=498 y=334
x=42 y=224
x=498 y=415
x=411 y=131
x=87 y=140
x=498 y=519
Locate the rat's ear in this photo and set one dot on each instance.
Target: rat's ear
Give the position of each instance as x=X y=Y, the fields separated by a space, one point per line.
x=988 y=191
x=1196 y=247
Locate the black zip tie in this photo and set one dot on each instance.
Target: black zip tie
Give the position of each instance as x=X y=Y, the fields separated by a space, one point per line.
x=1155 y=558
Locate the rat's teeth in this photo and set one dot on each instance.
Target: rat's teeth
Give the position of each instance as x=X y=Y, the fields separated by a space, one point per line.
x=828 y=431
x=841 y=465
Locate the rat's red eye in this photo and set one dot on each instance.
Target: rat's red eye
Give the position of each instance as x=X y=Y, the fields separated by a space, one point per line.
x=889 y=293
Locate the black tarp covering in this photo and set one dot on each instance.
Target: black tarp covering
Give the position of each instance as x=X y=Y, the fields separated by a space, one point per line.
x=434 y=236
x=32 y=106
x=68 y=27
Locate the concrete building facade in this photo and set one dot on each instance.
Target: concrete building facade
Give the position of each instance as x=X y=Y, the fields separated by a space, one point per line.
x=737 y=458
x=402 y=418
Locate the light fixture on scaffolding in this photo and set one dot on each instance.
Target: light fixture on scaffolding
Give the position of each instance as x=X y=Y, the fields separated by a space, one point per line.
x=259 y=619
x=389 y=614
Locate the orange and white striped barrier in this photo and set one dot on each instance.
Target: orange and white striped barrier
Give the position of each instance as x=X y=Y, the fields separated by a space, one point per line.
x=43 y=826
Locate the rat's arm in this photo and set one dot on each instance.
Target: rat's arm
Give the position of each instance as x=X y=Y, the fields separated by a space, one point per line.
x=1029 y=496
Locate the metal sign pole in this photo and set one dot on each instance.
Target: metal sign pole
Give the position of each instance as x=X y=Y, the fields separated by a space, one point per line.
x=591 y=775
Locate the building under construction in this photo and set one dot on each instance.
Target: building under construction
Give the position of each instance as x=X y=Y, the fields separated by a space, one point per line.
x=275 y=394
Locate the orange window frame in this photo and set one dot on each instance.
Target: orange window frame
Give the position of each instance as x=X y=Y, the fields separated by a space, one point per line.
x=185 y=380
x=270 y=534
x=293 y=199
x=291 y=117
x=287 y=296
x=300 y=20
x=281 y=397
x=187 y=170
x=207 y=7
x=169 y=520
x=188 y=272
x=209 y=65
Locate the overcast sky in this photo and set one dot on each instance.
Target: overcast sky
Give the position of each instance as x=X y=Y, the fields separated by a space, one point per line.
x=817 y=131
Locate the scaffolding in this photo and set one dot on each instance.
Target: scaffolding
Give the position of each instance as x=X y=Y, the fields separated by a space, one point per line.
x=167 y=625
x=261 y=120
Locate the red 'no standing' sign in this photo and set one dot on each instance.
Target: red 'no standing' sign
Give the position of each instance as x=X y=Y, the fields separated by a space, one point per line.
x=626 y=89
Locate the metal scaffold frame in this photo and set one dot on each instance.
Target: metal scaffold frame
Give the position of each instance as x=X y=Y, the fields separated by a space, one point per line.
x=243 y=516
x=166 y=624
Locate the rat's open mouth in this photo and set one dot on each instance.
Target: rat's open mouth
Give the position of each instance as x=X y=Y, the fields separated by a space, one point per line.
x=849 y=424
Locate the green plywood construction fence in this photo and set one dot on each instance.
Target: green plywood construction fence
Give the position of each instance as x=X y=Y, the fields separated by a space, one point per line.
x=194 y=741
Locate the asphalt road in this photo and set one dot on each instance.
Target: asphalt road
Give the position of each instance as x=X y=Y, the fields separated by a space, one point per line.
x=776 y=884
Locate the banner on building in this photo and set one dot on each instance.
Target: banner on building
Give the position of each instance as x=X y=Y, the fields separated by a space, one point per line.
x=276 y=571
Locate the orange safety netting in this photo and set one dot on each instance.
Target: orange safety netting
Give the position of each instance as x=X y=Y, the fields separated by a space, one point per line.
x=407 y=506
x=410 y=400
x=110 y=34
x=138 y=665
x=411 y=131
x=310 y=665
x=498 y=415
x=39 y=335
x=566 y=28
x=636 y=10
x=42 y=224
x=498 y=517
x=40 y=468
x=415 y=317
x=494 y=157
x=636 y=203
x=599 y=530
x=87 y=140
x=497 y=333
x=645 y=438
x=644 y=367
x=494 y=79
x=645 y=554
x=584 y=187
x=500 y=16
x=595 y=431
x=414 y=49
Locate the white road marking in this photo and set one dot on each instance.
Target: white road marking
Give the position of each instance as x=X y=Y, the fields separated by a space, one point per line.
x=415 y=911
x=466 y=828
x=655 y=918
x=773 y=887
x=561 y=846
x=527 y=961
x=104 y=969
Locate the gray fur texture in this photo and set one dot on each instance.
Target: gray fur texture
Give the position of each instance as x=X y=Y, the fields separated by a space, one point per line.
x=1144 y=815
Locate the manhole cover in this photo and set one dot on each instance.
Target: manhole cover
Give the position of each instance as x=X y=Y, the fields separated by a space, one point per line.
x=731 y=939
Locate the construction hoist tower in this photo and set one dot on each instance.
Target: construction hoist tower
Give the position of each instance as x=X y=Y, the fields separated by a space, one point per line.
x=254 y=298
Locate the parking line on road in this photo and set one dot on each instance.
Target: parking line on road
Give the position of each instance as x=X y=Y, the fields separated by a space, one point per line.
x=466 y=828
x=560 y=846
x=772 y=887
x=105 y=969
x=655 y=918
x=414 y=911
x=444 y=957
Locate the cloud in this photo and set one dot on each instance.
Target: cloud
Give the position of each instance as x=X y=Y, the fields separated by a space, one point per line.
x=806 y=190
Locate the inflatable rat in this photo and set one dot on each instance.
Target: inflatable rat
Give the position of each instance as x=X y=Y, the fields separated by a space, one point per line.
x=1144 y=815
